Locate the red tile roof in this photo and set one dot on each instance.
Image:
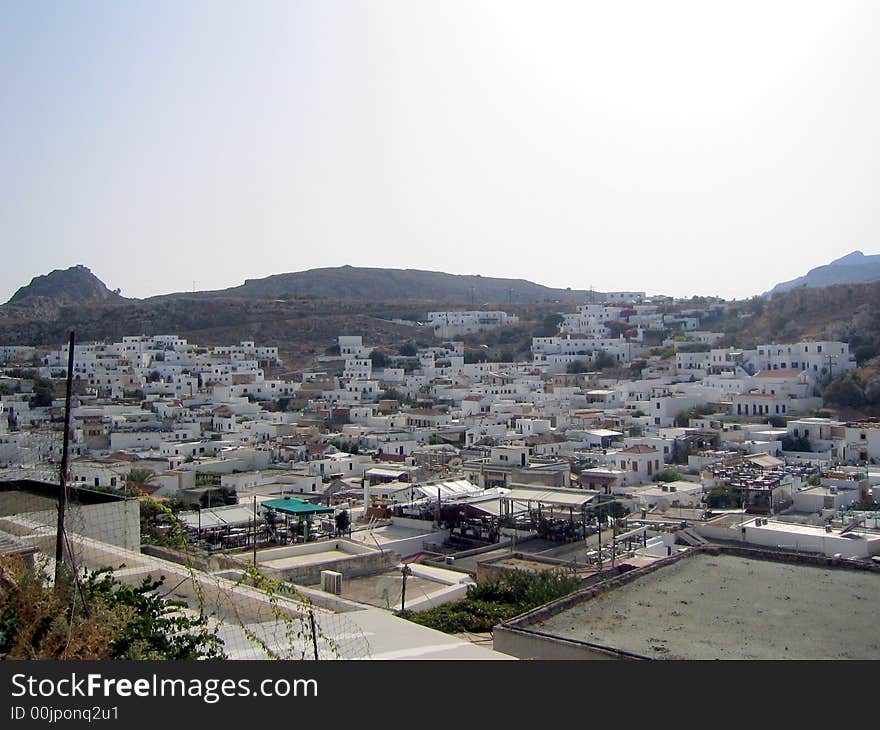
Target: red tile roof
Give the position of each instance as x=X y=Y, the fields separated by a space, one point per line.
x=640 y=449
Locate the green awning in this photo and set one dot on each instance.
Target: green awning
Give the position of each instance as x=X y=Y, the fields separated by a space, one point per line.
x=294 y=506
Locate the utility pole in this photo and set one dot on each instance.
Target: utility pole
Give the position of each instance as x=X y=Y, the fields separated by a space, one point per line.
x=255 y=530
x=65 y=455
x=406 y=571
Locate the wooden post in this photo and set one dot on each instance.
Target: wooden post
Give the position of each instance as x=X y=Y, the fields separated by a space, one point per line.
x=314 y=632
x=65 y=456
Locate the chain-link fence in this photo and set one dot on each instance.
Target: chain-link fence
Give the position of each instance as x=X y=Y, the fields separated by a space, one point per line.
x=123 y=577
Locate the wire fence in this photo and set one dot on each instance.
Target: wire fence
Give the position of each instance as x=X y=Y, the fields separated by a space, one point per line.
x=122 y=577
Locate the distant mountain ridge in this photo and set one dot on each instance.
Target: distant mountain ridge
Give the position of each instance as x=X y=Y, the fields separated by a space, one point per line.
x=854 y=268
x=375 y=285
x=76 y=285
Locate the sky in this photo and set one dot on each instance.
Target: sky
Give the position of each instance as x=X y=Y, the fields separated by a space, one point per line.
x=670 y=147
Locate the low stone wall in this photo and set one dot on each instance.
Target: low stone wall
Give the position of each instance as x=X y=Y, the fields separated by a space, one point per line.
x=196 y=559
x=493 y=569
x=350 y=567
x=518 y=638
x=536 y=645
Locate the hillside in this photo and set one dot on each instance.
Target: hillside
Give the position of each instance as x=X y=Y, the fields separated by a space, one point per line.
x=850 y=313
x=376 y=285
x=300 y=329
x=76 y=285
x=854 y=268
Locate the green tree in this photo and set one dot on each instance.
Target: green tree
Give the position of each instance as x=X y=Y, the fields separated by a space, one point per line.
x=846 y=391
x=379 y=359
x=550 y=325
x=157 y=629
x=577 y=366
x=343 y=522
x=408 y=349
x=98 y=617
x=138 y=478
x=43 y=393
x=604 y=360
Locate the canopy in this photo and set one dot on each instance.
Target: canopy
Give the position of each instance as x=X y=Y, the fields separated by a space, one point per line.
x=294 y=506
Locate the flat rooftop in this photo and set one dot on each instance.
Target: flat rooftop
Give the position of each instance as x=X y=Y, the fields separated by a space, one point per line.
x=385 y=589
x=298 y=561
x=727 y=606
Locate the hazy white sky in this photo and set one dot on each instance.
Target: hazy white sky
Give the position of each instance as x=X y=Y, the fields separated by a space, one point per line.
x=675 y=147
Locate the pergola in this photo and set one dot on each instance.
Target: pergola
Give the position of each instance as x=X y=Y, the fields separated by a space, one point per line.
x=554 y=498
x=299 y=508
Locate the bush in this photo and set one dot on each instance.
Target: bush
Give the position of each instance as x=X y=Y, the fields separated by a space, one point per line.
x=790 y=443
x=577 y=366
x=44 y=393
x=42 y=621
x=604 y=360
x=550 y=325
x=488 y=604
x=669 y=475
x=845 y=391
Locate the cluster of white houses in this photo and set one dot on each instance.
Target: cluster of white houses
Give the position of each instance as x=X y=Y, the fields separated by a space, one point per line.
x=200 y=417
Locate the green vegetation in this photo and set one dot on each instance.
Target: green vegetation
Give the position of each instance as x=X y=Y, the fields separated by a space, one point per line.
x=683 y=419
x=97 y=617
x=617 y=327
x=799 y=443
x=664 y=353
x=473 y=356
x=395 y=394
x=349 y=447
x=408 y=349
x=488 y=604
x=208 y=479
x=550 y=325
x=694 y=347
x=379 y=359
x=158 y=524
x=669 y=475
x=636 y=367
x=343 y=522
x=604 y=360
x=845 y=391
x=44 y=393
x=577 y=366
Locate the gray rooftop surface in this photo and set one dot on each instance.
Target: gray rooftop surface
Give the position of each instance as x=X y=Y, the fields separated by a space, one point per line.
x=731 y=607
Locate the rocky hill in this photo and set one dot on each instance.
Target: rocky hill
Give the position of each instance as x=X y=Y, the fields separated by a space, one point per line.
x=847 y=312
x=76 y=285
x=376 y=285
x=854 y=268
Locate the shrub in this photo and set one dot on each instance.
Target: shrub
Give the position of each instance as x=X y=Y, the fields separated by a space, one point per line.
x=488 y=604
x=604 y=360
